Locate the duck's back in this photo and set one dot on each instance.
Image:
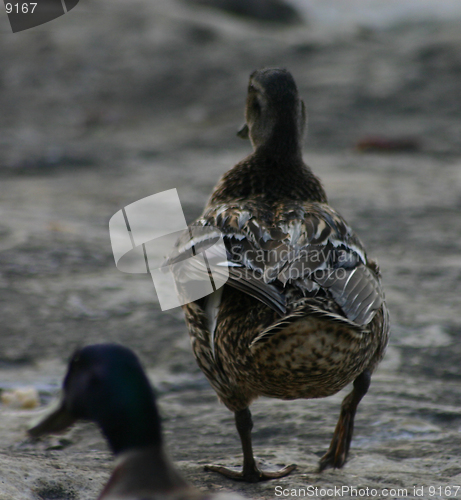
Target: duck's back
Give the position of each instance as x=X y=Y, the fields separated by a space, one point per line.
x=285 y=241
x=301 y=297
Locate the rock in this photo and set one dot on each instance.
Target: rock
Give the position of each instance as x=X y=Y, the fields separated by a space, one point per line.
x=275 y=11
x=25 y=398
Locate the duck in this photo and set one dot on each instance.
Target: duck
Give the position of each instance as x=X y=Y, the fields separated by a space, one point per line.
x=106 y=384
x=302 y=313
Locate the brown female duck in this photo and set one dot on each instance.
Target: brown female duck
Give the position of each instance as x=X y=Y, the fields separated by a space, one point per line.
x=303 y=313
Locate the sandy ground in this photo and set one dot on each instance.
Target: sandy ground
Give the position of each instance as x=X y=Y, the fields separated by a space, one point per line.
x=118 y=101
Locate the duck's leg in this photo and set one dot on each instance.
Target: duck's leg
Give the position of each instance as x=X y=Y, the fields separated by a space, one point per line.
x=339 y=447
x=250 y=473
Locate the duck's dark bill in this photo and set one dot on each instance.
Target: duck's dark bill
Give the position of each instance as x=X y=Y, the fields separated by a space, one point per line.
x=244 y=132
x=56 y=421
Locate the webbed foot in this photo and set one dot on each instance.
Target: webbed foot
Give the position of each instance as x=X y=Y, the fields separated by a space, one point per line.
x=250 y=472
x=336 y=455
x=253 y=475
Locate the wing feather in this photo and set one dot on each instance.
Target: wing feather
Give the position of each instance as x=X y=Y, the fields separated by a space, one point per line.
x=308 y=248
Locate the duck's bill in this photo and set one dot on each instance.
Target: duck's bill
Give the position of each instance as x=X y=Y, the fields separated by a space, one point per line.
x=57 y=420
x=244 y=132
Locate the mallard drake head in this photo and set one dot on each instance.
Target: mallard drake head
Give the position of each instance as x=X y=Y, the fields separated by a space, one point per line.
x=106 y=384
x=274 y=113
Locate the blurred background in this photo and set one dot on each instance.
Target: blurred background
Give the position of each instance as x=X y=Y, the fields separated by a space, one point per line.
x=118 y=100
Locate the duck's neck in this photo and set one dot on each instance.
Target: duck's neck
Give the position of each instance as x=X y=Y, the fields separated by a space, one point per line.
x=148 y=470
x=127 y=430
x=273 y=172
x=284 y=143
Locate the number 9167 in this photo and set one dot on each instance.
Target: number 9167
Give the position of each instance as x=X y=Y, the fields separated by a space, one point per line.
x=20 y=8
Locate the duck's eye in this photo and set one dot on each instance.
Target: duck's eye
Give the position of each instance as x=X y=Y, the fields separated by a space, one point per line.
x=75 y=358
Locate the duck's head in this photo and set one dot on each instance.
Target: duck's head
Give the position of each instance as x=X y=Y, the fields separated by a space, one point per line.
x=106 y=384
x=274 y=113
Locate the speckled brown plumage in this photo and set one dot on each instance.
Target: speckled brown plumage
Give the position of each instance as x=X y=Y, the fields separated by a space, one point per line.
x=303 y=313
